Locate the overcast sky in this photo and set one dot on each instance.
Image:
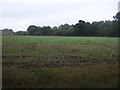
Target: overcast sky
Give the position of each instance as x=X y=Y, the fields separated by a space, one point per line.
x=19 y=14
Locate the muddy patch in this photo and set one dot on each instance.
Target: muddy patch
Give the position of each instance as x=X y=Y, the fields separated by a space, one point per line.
x=48 y=61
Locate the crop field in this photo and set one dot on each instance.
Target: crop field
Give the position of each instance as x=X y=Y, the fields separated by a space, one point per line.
x=59 y=62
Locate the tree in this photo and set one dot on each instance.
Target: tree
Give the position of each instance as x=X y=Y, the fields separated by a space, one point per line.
x=65 y=27
x=21 y=33
x=54 y=28
x=32 y=29
x=80 y=28
x=45 y=30
x=117 y=23
x=8 y=32
x=117 y=17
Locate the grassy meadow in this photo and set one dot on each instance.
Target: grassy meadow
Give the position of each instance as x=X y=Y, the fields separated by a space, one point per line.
x=59 y=62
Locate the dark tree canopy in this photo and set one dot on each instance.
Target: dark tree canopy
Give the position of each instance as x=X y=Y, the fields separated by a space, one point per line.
x=32 y=29
x=82 y=28
x=117 y=17
x=22 y=33
x=7 y=32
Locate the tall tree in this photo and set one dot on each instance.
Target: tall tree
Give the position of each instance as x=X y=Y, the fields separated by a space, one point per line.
x=80 y=28
x=117 y=16
x=32 y=29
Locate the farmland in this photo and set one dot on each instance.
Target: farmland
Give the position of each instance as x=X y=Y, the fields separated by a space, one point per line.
x=59 y=62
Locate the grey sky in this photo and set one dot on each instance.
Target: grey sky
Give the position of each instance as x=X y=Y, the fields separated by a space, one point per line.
x=19 y=14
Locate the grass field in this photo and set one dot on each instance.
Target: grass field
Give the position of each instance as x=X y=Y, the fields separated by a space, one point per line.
x=59 y=62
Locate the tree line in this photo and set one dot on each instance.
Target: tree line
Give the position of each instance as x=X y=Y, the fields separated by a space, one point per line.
x=82 y=28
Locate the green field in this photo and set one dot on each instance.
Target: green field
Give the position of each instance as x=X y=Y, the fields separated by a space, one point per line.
x=59 y=62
